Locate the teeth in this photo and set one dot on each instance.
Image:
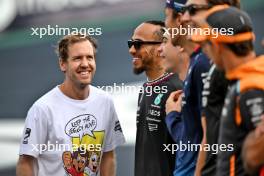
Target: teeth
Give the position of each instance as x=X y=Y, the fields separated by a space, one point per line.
x=84 y=73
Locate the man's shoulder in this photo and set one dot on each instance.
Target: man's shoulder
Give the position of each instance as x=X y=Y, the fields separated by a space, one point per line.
x=200 y=67
x=252 y=97
x=47 y=98
x=251 y=105
x=202 y=61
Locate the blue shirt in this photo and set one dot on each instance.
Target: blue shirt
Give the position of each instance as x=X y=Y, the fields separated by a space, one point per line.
x=185 y=127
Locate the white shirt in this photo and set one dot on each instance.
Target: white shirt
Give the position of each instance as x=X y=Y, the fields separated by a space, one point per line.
x=68 y=136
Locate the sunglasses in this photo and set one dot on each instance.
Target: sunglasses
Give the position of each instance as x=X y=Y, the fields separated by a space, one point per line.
x=138 y=43
x=194 y=8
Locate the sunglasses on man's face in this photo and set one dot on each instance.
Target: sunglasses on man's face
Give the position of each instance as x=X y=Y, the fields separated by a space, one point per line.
x=138 y=43
x=194 y=8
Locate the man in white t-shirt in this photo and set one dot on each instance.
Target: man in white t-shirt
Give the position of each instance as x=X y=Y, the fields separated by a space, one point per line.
x=73 y=129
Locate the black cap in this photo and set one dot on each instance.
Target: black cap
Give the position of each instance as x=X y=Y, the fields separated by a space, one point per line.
x=231 y=17
x=226 y=18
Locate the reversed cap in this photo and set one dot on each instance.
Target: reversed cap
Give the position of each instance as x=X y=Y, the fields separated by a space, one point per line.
x=226 y=18
x=176 y=5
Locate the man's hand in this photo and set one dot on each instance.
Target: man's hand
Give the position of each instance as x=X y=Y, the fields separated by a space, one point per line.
x=108 y=164
x=174 y=102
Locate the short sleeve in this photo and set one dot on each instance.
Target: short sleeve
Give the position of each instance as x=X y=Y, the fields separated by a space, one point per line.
x=114 y=136
x=35 y=132
x=251 y=105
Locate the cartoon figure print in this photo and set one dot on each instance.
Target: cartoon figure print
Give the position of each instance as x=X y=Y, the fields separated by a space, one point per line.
x=84 y=159
x=74 y=163
x=93 y=164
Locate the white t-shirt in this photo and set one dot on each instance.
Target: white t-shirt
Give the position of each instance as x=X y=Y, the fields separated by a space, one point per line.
x=67 y=136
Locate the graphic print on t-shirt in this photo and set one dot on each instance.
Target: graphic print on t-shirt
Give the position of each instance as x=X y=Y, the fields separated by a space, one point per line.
x=84 y=159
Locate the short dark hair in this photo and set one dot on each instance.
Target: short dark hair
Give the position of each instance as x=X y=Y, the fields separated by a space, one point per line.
x=156 y=23
x=242 y=48
x=66 y=41
x=235 y=3
x=159 y=33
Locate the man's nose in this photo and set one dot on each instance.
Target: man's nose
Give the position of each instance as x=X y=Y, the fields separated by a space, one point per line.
x=84 y=62
x=185 y=17
x=132 y=50
x=160 y=48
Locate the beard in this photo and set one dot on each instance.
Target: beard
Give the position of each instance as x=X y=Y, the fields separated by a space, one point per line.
x=169 y=70
x=147 y=63
x=138 y=71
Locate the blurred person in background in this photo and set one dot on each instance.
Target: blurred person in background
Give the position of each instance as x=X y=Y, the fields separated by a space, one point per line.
x=186 y=106
x=176 y=59
x=244 y=103
x=173 y=13
x=172 y=44
x=214 y=91
x=152 y=134
x=75 y=115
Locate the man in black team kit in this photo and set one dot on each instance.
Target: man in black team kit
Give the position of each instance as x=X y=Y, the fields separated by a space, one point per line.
x=244 y=103
x=152 y=134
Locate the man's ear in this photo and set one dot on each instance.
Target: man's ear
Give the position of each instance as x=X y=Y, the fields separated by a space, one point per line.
x=181 y=49
x=220 y=49
x=62 y=64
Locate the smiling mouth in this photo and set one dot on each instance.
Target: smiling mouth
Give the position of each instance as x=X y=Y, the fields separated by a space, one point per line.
x=135 y=60
x=85 y=73
x=79 y=169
